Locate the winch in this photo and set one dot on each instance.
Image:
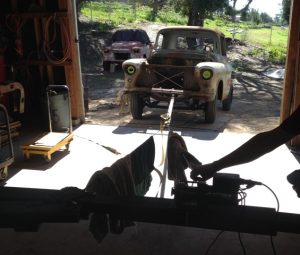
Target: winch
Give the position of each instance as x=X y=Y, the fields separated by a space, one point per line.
x=225 y=190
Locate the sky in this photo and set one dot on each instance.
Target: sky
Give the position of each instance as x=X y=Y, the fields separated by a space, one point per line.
x=271 y=7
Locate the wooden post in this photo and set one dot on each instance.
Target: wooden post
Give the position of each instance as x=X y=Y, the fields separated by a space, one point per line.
x=291 y=89
x=39 y=39
x=73 y=71
x=296 y=101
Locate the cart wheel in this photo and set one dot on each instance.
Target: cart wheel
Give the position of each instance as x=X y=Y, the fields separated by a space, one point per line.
x=67 y=146
x=47 y=158
x=26 y=156
x=3 y=173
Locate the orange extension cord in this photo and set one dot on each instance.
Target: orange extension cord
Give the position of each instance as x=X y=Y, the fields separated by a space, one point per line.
x=49 y=41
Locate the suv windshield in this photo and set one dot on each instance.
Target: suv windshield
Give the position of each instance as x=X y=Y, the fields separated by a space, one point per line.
x=131 y=35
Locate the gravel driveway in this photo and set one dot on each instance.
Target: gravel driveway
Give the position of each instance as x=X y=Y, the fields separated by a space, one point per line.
x=255 y=107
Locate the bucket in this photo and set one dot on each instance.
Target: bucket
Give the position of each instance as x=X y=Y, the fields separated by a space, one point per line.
x=60 y=113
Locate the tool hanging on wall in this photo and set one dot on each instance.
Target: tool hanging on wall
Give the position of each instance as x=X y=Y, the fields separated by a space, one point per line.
x=15 y=23
x=50 y=40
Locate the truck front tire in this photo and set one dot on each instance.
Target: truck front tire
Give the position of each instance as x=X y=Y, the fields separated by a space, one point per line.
x=210 y=111
x=136 y=106
x=226 y=103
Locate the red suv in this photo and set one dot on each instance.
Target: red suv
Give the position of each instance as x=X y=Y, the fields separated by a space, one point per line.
x=126 y=44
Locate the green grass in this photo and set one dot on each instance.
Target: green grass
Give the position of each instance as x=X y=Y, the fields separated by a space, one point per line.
x=271 y=40
x=110 y=15
x=120 y=13
x=169 y=17
x=114 y=13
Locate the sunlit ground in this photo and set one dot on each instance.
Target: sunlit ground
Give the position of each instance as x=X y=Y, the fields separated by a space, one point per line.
x=87 y=156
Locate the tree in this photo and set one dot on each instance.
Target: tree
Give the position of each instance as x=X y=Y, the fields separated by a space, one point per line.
x=265 y=18
x=286 y=6
x=245 y=15
x=233 y=11
x=254 y=16
x=156 y=6
x=198 y=10
x=79 y=3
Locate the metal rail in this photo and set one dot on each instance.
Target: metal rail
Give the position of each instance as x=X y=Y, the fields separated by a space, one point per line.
x=24 y=209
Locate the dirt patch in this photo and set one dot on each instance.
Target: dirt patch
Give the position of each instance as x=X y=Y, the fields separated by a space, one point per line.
x=255 y=108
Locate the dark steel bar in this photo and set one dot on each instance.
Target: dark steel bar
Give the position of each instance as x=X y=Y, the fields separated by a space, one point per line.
x=25 y=209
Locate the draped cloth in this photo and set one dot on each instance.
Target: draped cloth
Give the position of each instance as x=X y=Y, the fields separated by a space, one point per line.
x=128 y=176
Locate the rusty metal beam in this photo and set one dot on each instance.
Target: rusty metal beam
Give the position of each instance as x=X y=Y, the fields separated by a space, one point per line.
x=26 y=208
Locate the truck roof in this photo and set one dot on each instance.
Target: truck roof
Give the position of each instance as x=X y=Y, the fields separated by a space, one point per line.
x=197 y=28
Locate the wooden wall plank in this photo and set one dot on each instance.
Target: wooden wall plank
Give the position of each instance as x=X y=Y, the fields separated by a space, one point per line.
x=73 y=71
x=291 y=89
x=296 y=94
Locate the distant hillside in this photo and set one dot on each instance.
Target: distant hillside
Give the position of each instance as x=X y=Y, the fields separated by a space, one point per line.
x=271 y=40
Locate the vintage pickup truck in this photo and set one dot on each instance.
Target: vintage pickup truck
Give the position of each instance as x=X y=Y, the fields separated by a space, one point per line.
x=187 y=62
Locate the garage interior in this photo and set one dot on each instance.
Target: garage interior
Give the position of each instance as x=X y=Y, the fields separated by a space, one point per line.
x=40 y=48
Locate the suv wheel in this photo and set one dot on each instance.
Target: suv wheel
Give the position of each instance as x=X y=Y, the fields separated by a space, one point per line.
x=210 y=111
x=226 y=103
x=106 y=66
x=136 y=106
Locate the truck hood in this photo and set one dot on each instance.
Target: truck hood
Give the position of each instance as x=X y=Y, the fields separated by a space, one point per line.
x=126 y=45
x=182 y=57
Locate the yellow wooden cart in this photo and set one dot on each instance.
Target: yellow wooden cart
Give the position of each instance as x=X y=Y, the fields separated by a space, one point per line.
x=48 y=144
x=60 y=125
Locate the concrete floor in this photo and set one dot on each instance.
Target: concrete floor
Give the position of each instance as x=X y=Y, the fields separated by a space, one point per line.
x=86 y=156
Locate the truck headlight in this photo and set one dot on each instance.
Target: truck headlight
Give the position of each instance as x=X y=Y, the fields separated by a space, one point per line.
x=106 y=50
x=130 y=70
x=206 y=74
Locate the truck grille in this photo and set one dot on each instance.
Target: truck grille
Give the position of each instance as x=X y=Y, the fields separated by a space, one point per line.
x=122 y=56
x=176 y=77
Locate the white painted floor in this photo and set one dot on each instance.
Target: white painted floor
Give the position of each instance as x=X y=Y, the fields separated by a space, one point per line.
x=87 y=156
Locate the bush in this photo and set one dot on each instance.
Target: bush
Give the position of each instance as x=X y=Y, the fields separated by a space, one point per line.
x=277 y=55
